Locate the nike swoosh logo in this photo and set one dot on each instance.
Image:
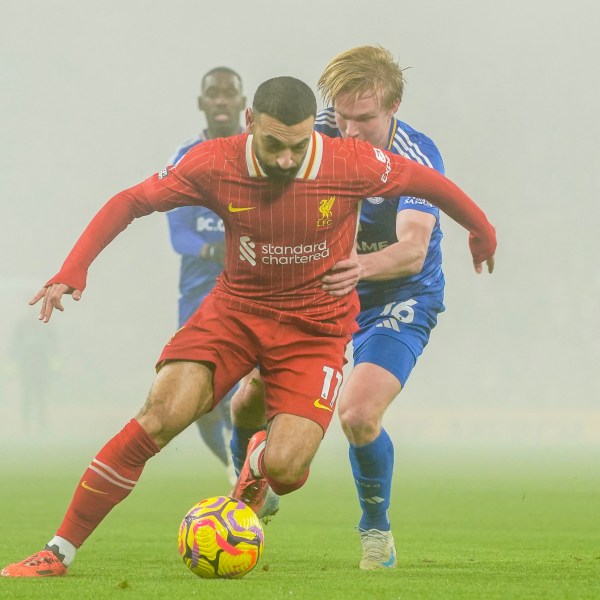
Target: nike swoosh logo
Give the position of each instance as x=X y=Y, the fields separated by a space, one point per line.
x=323 y=406
x=85 y=486
x=235 y=209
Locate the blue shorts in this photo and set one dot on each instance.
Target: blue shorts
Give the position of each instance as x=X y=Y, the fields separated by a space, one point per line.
x=393 y=336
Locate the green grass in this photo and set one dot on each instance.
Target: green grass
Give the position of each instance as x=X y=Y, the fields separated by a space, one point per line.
x=468 y=524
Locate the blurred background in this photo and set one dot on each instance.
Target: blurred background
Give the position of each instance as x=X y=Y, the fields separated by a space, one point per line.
x=97 y=96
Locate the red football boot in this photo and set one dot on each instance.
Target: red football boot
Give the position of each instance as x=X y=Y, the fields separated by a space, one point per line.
x=251 y=487
x=41 y=564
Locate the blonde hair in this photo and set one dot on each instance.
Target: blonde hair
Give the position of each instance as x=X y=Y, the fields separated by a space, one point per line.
x=360 y=70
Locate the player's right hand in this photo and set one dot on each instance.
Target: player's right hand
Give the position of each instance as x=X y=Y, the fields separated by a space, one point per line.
x=52 y=295
x=343 y=277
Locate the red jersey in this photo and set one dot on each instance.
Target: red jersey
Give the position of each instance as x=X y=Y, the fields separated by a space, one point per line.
x=281 y=237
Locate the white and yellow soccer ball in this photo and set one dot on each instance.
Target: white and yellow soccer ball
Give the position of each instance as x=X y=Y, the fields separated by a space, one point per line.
x=221 y=538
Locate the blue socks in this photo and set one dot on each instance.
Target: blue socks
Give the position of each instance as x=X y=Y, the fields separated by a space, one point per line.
x=372 y=467
x=239 y=445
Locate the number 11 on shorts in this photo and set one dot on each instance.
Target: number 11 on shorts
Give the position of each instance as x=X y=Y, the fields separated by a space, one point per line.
x=327 y=381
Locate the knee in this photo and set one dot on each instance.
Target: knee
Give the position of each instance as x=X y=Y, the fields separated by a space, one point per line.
x=285 y=469
x=360 y=425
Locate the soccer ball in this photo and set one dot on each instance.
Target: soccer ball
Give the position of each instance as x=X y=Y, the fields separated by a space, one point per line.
x=221 y=538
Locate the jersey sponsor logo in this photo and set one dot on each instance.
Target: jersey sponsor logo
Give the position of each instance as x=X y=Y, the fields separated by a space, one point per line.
x=209 y=224
x=375 y=199
x=247 y=252
x=317 y=404
x=163 y=173
x=85 y=486
x=272 y=254
x=235 y=209
x=366 y=247
x=325 y=208
x=416 y=201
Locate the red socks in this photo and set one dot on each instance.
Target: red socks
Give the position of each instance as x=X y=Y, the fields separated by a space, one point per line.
x=109 y=479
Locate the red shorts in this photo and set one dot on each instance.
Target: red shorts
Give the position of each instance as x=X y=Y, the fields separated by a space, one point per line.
x=302 y=371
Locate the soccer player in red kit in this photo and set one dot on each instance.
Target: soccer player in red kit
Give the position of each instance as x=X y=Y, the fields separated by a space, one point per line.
x=289 y=199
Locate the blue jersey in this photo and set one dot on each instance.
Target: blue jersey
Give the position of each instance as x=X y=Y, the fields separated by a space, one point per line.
x=377 y=228
x=191 y=227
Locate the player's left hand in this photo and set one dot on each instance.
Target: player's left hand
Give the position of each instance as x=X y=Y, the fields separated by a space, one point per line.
x=342 y=278
x=490 y=266
x=483 y=247
x=52 y=295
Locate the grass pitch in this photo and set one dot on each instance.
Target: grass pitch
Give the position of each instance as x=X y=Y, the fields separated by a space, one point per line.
x=468 y=524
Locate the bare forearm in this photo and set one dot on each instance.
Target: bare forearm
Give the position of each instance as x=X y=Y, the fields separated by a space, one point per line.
x=398 y=260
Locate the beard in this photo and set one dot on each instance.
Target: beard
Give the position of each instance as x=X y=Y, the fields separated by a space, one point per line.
x=279 y=174
x=275 y=172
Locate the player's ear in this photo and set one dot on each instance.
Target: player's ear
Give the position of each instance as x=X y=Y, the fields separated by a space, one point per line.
x=394 y=108
x=201 y=104
x=249 y=120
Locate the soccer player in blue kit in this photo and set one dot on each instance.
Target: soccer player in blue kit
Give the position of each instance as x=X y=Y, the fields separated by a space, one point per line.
x=198 y=234
x=401 y=289
x=401 y=285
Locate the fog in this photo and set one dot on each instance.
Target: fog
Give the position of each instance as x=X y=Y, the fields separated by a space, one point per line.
x=96 y=97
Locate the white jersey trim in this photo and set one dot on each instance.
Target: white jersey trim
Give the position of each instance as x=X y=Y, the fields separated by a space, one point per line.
x=405 y=147
x=308 y=169
x=254 y=168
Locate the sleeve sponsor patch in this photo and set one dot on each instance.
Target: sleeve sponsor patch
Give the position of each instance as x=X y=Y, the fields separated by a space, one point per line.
x=417 y=201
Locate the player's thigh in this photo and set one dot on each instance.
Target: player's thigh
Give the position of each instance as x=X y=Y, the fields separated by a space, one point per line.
x=369 y=390
x=180 y=394
x=219 y=336
x=303 y=375
x=394 y=336
x=248 y=402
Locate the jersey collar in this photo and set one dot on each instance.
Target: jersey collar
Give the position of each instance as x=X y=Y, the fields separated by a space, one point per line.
x=392 y=134
x=309 y=167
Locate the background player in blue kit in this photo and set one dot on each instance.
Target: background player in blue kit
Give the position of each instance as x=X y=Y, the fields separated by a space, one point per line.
x=402 y=284
x=198 y=234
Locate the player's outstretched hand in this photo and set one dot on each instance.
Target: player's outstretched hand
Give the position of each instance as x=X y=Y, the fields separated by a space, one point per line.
x=52 y=296
x=483 y=248
x=490 y=266
x=342 y=278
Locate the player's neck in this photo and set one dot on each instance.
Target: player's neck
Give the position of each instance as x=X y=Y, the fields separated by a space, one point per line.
x=211 y=134
x=388 y=137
